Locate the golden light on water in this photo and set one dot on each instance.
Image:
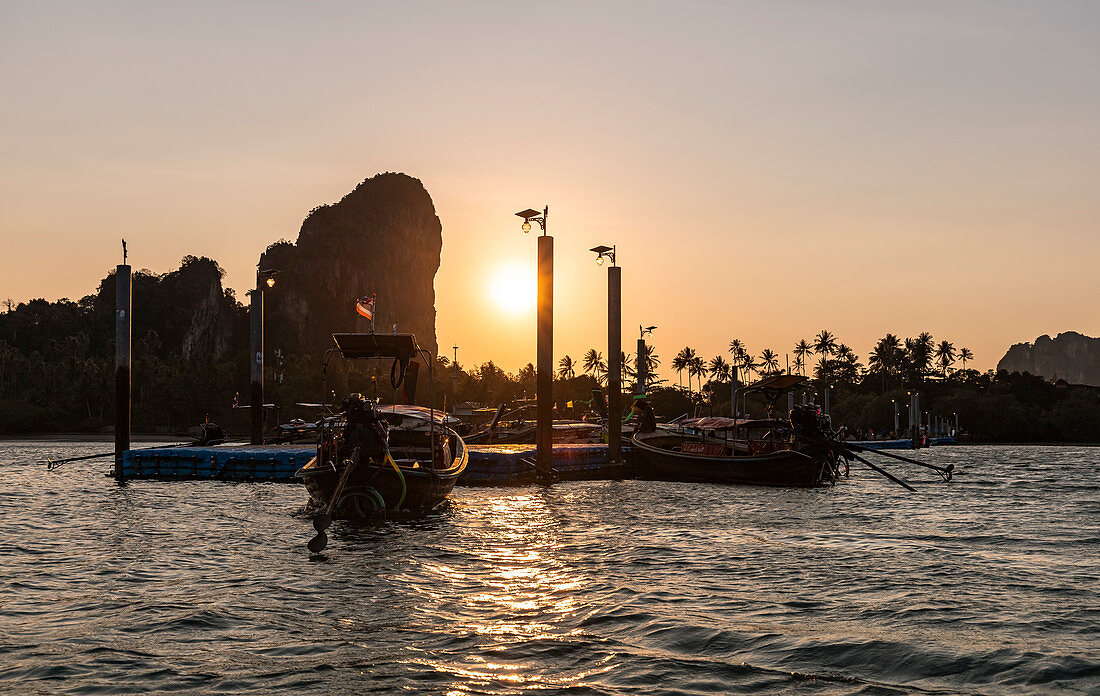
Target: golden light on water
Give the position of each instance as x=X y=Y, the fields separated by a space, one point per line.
x=527 y=590
x=512 y=289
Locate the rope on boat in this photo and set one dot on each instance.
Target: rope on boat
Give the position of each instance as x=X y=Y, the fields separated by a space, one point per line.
x=375 y=498
x=400 y=477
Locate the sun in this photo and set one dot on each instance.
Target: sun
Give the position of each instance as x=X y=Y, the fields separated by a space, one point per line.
x=512 y=289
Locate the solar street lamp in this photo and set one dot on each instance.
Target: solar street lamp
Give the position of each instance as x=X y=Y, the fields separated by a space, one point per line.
x=544 y=342
x=614 y=352
x=264 y=278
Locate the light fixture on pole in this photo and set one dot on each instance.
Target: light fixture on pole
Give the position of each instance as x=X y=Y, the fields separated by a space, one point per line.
x=614 y=352
x=264 y=278
x=544 y=340
x=641 y=365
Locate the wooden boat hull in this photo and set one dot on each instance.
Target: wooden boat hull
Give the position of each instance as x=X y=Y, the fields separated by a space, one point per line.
x=377 y=490
x=661 y=460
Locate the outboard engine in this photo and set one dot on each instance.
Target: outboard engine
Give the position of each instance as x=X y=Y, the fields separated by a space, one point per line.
x=363 y=429
x=807 y=423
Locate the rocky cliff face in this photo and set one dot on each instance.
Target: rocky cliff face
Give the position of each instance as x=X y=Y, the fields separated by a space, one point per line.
x=382 y=238
x=1071 y=356
x=191 y=313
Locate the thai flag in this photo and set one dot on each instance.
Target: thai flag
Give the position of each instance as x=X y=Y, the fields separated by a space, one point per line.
x=365 y=307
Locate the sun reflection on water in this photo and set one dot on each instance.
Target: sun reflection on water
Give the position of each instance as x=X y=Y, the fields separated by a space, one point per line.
x=521 y=590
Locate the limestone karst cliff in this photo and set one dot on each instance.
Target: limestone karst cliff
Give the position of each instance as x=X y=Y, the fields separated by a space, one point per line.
x=1070 y=356
x=383 y=238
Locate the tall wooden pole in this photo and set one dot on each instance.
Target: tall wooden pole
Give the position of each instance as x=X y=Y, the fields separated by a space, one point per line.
x=544 y=369
x=640 y=369
x=256 y=366
x=122 y=365
x=614 y=364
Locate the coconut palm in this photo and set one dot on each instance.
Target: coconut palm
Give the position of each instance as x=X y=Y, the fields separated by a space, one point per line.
x=919 y=353
x=566 y=368
x=825 y=343
x=626 y=362
x=719 y=368
x=697 y=368
x=738 y=353
x=688 y=355
x=801 y=350
x=945 y=355
x=769 y=360
x=964 y=355
x=886 y=359
x=749 y=365
x=800 y=365
x=594 y=364
x=680 y=363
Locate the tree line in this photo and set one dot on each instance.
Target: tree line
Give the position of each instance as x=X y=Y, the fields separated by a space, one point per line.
x=190 y=358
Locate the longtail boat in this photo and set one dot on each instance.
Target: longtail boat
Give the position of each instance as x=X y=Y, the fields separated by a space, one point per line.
x=792 y=452
x=375 y=460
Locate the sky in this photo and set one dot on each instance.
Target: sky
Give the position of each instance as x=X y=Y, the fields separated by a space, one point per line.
x=765 y=169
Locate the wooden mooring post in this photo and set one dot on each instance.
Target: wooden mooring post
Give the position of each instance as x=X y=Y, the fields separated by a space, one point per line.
x=544 y=369
x=614 y=366
x=123 y=323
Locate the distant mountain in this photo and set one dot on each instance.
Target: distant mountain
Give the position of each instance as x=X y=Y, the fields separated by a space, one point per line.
x=1071 y=356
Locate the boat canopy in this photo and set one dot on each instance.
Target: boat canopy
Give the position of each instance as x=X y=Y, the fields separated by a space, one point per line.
x=422 y=413
x=721 y=423
x=372 y=345
x=712 y=423
x=778 y=382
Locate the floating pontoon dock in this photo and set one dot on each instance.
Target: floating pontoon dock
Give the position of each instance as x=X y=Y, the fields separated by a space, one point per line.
x=490 y=465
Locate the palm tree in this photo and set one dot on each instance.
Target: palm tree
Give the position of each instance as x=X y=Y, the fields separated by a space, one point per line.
x=566 y=368
x=594 y=364
x=825 y=343
x=626 y=361
x=801 y=350
x=800 y=365
x=769 y=360
x=846 y=367
x=680 y=363
x=738 y=353
x=719 y=368
x=964 y=355
x=651 y=360
x=688 y=355
x=697 y=368
x=886 y=358
x=919 y=352
x=749 y=365
x=945 y=355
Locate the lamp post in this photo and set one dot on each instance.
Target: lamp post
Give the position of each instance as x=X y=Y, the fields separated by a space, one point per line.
x=895 y=403
x=544 y=344
x=264 y=278
x=454 y=382
x=614 y=353
x=123 y=388
x=641 y=364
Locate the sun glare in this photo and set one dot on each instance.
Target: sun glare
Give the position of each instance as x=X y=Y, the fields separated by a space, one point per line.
x=513 y=289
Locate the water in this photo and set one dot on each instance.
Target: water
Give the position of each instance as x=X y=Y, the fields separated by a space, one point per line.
x=987 y=585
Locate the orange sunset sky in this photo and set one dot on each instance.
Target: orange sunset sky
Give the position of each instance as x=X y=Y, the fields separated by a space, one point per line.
x=766 y=169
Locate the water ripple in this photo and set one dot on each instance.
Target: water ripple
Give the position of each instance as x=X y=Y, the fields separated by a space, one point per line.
x=986 y=585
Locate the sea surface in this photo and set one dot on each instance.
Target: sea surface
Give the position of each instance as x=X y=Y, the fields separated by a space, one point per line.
x=989 y=584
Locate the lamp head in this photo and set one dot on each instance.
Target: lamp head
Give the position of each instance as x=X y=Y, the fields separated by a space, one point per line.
x=271 y=281
x=604 y=252
x=532 y=214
